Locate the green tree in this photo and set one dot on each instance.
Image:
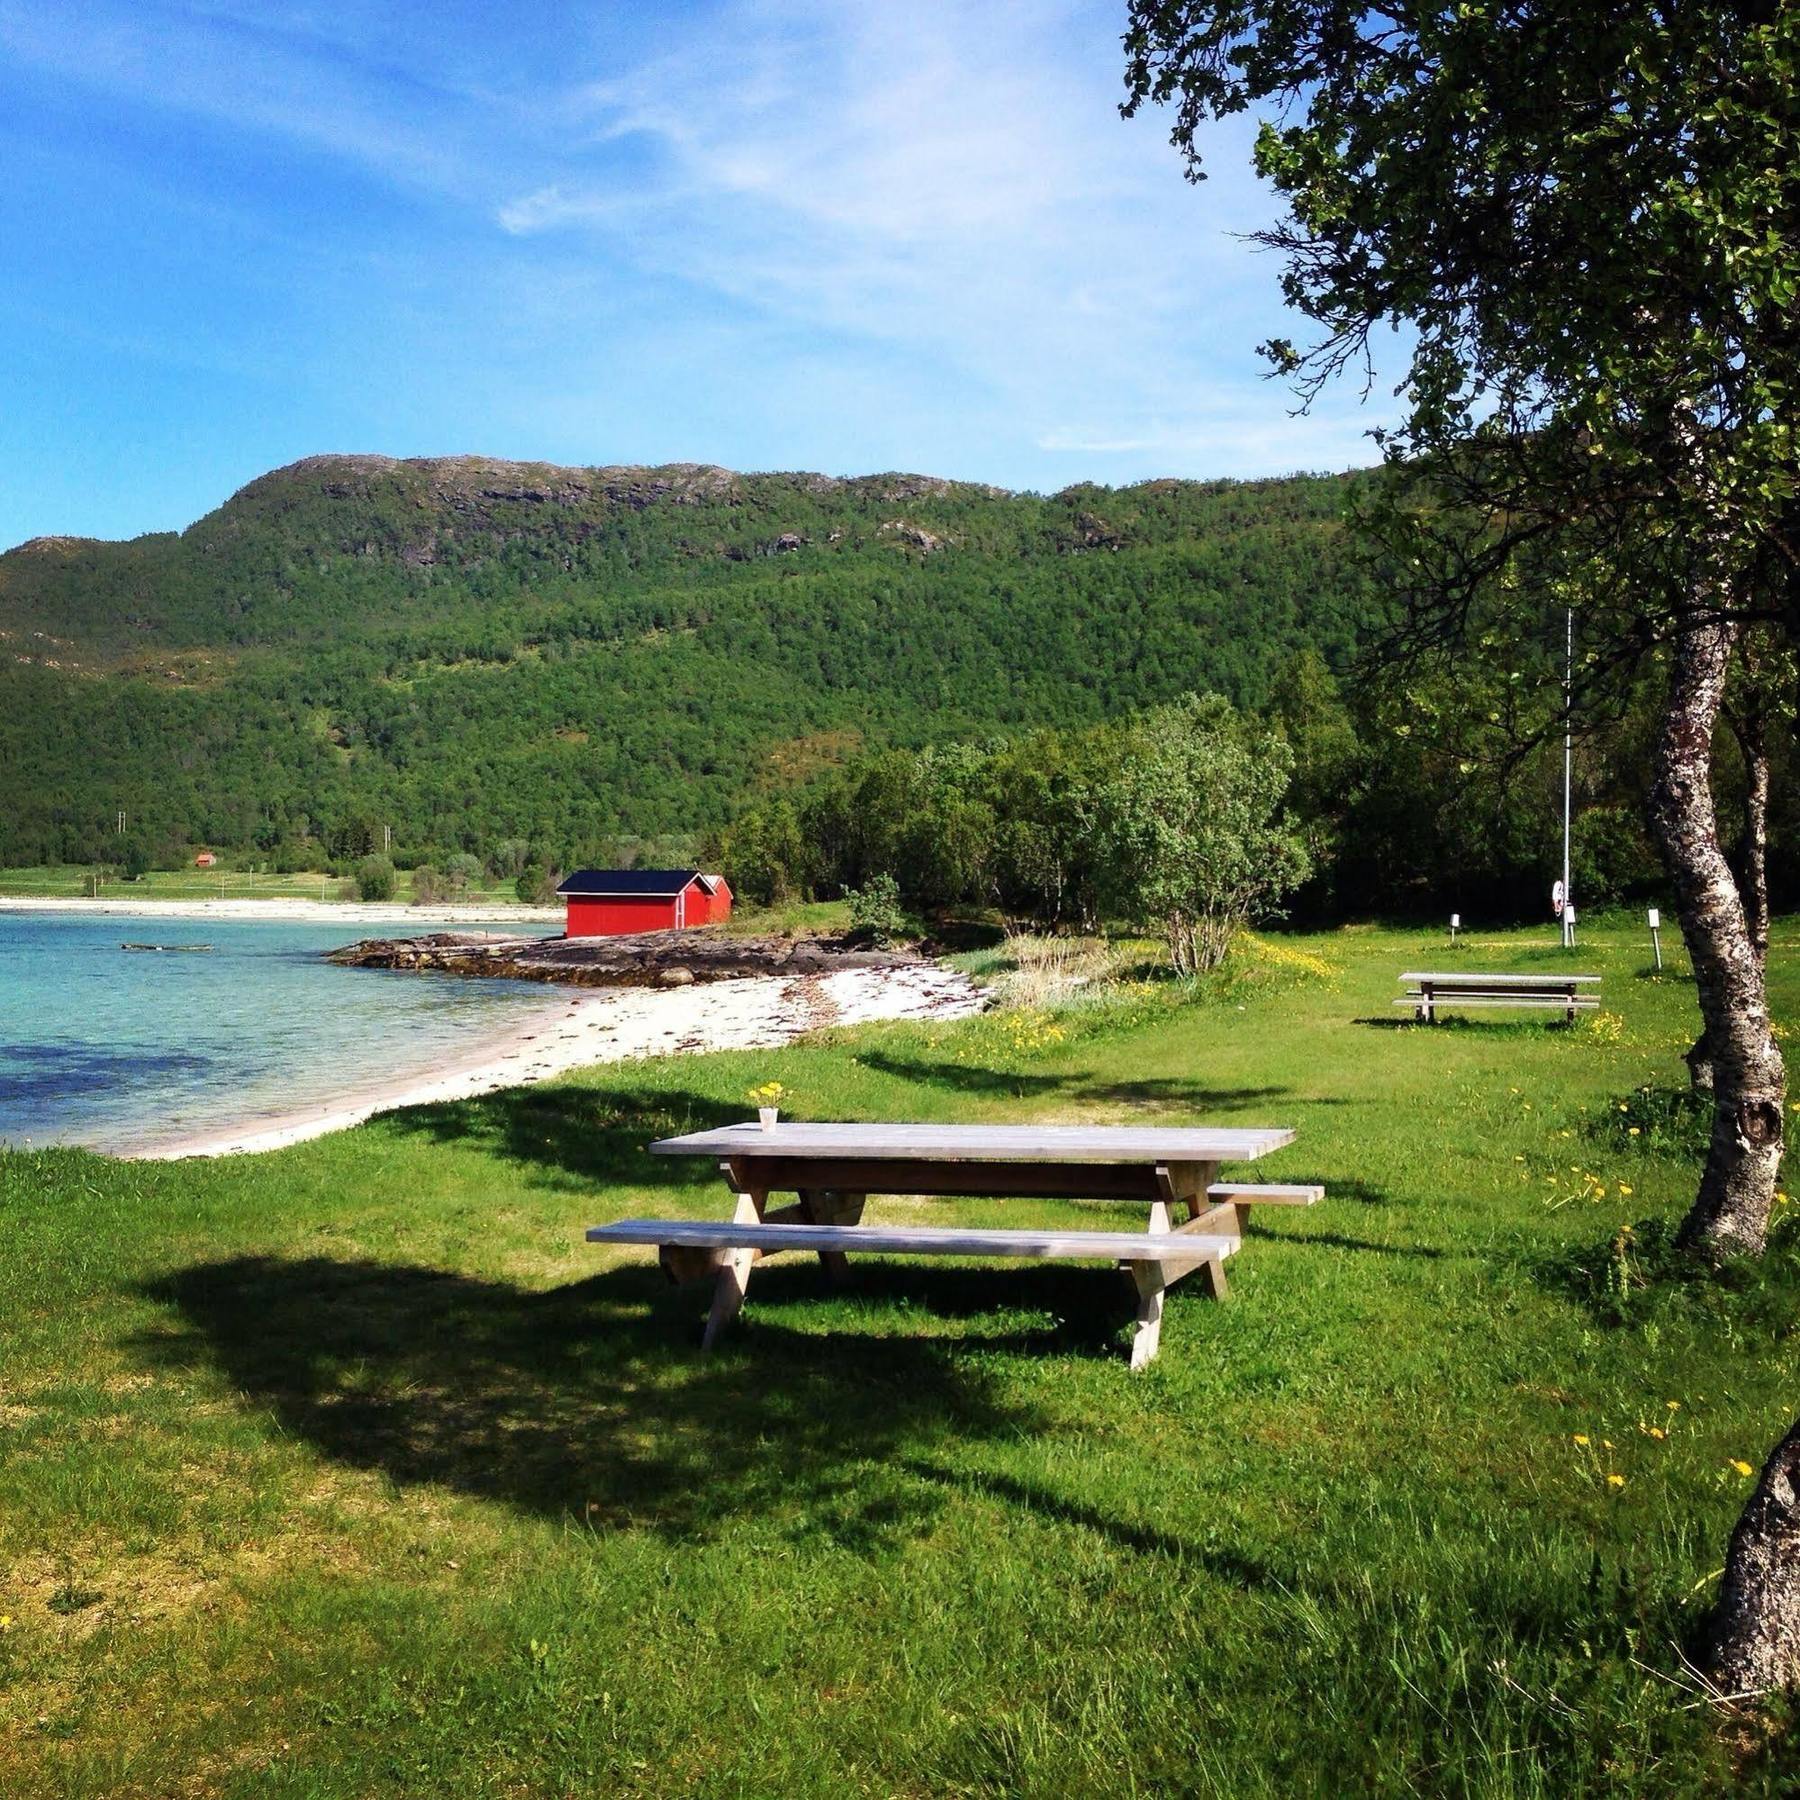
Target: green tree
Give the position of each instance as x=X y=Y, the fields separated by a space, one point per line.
x=1586 y=219
x=536 y=885
x=875 y=911
x=1198 y=842
x=462 y=869
x=375 y=878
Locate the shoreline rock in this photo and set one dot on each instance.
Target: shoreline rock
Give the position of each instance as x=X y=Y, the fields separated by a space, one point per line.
x=646 y=959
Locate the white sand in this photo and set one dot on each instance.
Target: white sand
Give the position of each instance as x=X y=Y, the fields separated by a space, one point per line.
x=754 y=1012
x=311 y=912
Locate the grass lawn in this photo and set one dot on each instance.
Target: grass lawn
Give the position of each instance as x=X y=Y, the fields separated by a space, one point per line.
x=352 y=1470
x=72 y=881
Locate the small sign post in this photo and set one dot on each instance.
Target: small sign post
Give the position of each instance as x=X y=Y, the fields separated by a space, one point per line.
x=1455 y=925
x=1656 y=936
x=1568 y=917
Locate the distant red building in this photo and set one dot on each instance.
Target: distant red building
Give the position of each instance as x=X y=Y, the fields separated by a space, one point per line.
x=612 y=902
x=205 y=860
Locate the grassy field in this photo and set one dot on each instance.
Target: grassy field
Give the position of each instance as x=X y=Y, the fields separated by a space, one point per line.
x=71 y=882
x=351 y=1470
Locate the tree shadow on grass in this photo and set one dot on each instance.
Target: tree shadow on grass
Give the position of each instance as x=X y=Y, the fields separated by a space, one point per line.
x=1142 y=1540
x=583 y=1136
x=1334 y=1240
x=1362 y=1193
x=1082 y=1308
x=586 y=1401
x=1165 y=1090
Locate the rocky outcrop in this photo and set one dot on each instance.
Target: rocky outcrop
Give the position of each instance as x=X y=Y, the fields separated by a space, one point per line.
x=648 y=959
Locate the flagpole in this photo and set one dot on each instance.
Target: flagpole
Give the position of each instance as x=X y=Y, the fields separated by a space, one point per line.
x=1568 y=923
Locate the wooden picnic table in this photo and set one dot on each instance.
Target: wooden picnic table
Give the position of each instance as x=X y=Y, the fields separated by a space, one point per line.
x=831 y=1169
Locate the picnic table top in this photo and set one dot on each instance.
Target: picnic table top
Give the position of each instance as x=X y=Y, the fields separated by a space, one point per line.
x=1474 y=978
x=983 y=1143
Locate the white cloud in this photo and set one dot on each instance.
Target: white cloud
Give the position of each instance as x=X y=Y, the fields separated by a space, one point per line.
x=931 y=211
x=951 y=182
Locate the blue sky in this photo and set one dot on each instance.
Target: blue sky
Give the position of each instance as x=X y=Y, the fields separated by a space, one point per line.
x=811 y=234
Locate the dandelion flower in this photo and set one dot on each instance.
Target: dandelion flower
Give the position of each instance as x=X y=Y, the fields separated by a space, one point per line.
x=5 y=1621
x=1633 y=1130
x=1581 y=1437
x=1742 y=1467
x=1623 y=1189
x=1615 y=1481
x=1656 y=1431
x=1673 y=1405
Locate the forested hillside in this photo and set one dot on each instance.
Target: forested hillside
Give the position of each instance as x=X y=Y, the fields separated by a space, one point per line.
x=468 y=650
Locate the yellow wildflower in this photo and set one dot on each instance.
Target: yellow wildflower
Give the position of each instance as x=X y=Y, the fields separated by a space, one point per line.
x=1623 y=1189
x=1673 y=1405
x=1656 y=1431
x=1581 y=1437
x=5 y=1621
x=1742 y=1467
x=1633 y=1130
x=1615 y=1481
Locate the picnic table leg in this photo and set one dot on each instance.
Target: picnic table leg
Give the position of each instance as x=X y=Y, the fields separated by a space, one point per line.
x=827 y=1206
x=1152 y=1283
x=734 y=1272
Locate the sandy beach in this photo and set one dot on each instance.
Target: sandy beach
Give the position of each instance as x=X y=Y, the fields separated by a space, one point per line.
x=306 y=912
x=579 y=1029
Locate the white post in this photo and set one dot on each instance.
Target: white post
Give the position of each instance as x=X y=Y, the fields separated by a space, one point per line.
x=1455 y=925
x=1656 y=936
x=1568 y=920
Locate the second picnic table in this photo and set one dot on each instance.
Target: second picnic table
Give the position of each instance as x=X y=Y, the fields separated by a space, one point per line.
x=833 y=1168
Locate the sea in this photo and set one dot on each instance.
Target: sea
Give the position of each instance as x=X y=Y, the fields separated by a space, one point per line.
x=118 y=1048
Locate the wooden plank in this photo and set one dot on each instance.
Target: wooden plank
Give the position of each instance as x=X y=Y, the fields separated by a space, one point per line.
x=1561 y=1002
x=1474 y=976
x=1176 y=1246
x=1267 y=1193
x=1002 y=1180
x=1147 y=1145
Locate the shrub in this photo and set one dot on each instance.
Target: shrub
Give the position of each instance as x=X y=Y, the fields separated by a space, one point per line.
x=375 y=878
x=536 y=885
x=1198 y=844
x=426 y=887
x=462 y=868
x=875 y=911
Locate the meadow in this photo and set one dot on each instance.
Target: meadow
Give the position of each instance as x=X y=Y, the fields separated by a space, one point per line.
x=69 y=881
x=353 y=1470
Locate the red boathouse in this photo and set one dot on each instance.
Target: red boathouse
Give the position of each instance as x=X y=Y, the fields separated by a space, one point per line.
x=612 y=902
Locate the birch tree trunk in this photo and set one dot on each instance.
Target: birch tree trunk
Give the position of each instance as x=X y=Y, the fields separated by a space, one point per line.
x=1747 y=726
x=1750 y=729
x=1730 y=1214
x=1753 y=1637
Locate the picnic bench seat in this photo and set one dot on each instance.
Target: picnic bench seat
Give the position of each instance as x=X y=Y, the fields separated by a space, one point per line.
x=1170 y=1169
x=1429 y=993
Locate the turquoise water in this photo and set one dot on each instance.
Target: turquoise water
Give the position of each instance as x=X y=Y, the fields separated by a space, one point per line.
x=114 y=1048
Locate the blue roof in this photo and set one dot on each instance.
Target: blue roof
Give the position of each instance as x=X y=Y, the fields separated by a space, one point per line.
x=632 y=884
